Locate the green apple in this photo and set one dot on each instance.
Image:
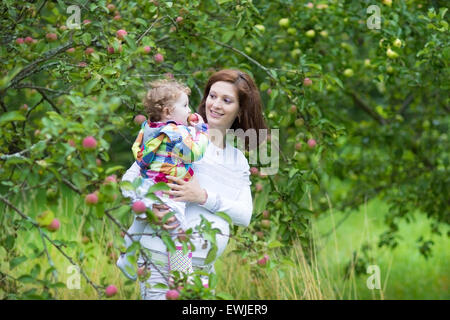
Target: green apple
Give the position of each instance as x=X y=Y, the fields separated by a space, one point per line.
x=398 y=43
x=299 y=122
x=292 y=31
x=324 y=33
x=310 y=33
x=260 y=27
x=348 y=72
x=391 y=53
x=284 y=23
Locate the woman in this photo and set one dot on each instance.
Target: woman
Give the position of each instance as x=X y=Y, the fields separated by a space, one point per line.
x=221 y=178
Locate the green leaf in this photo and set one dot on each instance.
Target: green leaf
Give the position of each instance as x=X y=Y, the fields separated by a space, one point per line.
x=274 y=244
x=169 y=243
x=223 y=1
x=211 y=254
x=126 y=185
x=226 y=37
x=160 y=286
x=86 y=38
x=12 y=116
x=90 y=85
x=167 y=216
x=130 y=41
x=16 y=261
x=158 y=187
x=225 y=216
x=26 y=279
x=113 y=169
x=100 y=210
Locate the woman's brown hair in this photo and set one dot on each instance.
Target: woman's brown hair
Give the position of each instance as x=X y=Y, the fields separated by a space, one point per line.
x=250 y=105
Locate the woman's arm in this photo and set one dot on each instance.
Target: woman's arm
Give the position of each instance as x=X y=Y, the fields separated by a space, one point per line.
x=240 y=210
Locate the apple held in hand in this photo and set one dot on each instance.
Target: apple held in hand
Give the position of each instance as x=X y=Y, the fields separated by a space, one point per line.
x=193 y=117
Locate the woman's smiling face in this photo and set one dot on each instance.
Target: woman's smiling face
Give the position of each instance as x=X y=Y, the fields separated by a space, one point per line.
x=222 y=105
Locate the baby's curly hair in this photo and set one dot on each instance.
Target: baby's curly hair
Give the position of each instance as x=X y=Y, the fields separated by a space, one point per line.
x=163 y=93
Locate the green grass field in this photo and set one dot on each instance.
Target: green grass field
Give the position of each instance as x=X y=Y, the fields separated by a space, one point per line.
x=404 y=273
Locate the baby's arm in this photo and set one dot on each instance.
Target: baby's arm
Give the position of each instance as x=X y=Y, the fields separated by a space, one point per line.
x=194 y=144
x=136 y=148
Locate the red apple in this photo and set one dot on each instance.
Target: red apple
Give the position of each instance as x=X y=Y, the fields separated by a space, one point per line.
x=51 y=37
x=172 y=294
x=193 y=118
x=54 y=225
x=307 y=82
x=179 y=19
x=147 y=49
x=20 y=41
x=139 y=119
x=312 y=143
x=262 y=262
x=88 y=51
x=298 y=146
x=111 y=7
x=29 y=40
x=85 y=239
x=258 y=187
x=159 y=58
x=142 y=271
x=139 y=207
x=117 y=17
x=265 y=223
x=89 y=142
x=91 y=198
x=254 y=171
x=293 y=109
x=111 y=178
x=70 y=50
x=266 y=214
x=86 y=21
x=24 y=107
x=98 y=162
x=111 y=290
x=121 y=34
x=260 y=234
x=82 y=64
x=71 y=143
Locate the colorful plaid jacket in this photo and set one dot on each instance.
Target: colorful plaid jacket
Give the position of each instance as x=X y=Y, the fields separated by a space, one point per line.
x=169 y=148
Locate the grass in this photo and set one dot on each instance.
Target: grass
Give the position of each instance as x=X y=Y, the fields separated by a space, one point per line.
x=404 y=273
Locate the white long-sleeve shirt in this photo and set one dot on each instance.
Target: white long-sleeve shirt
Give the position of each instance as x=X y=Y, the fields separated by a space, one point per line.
x=224 y=174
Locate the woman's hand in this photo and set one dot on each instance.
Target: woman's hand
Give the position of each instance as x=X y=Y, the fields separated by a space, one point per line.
x=160 y=211
x=186 y=191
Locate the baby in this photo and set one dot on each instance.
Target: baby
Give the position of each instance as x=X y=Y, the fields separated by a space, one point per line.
x=166 y=146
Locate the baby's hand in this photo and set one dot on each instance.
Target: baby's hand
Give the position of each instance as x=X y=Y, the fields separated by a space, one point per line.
x=194 y=119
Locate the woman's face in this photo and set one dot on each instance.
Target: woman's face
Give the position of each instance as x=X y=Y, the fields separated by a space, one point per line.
x=222 y=105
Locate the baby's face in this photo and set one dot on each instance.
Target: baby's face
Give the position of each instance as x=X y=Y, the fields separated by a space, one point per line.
x=181 y=110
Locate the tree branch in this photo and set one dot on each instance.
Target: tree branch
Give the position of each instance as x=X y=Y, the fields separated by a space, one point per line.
x=58 y=247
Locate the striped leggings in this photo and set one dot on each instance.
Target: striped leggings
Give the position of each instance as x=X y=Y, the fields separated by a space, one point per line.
x=150 y=293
